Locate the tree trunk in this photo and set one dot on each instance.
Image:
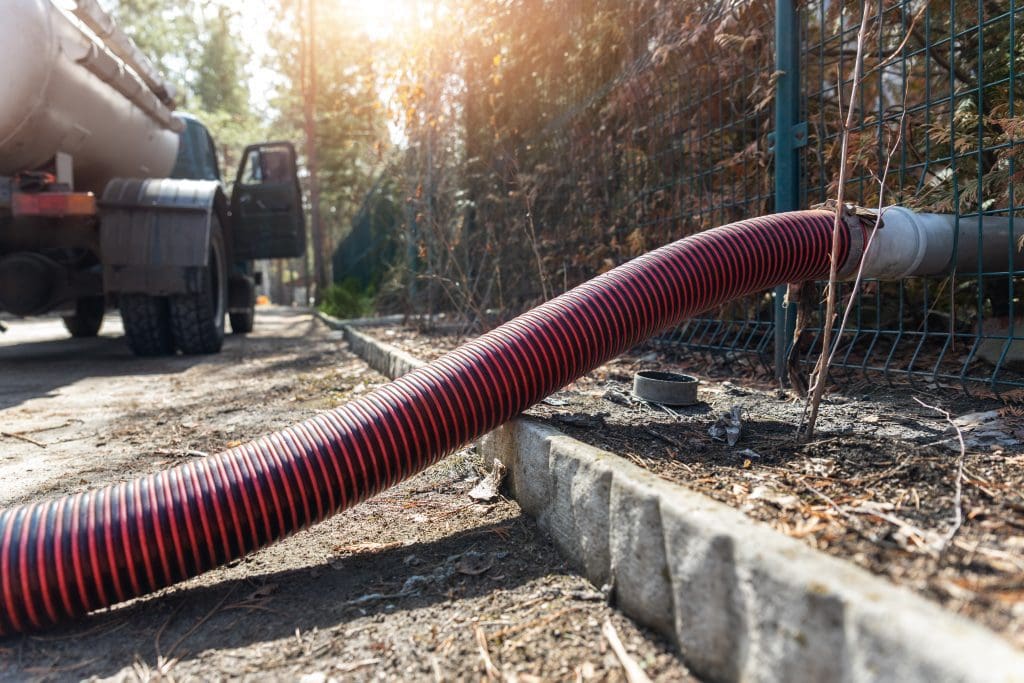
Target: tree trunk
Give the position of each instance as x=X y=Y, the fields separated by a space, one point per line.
x=309 y=92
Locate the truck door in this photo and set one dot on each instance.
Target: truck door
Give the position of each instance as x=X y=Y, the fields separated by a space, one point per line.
x=266 y=204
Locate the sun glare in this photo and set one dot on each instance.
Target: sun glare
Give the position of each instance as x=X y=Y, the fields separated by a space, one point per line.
x=381 y=19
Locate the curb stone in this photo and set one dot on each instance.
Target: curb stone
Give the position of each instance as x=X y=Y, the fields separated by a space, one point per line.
x=388 y=360
x=740 y=601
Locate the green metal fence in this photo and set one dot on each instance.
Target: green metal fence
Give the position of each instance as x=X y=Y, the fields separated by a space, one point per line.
x=694 y=155
x=941 y=95
x=940 y=107
x=593 y=130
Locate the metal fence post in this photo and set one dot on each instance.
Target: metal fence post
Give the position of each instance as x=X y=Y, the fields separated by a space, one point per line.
x=789 y=137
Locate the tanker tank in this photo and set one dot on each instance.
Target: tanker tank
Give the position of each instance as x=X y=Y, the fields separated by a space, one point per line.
x=63 y=90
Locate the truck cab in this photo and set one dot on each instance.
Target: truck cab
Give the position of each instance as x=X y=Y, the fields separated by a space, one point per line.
x=173 y=293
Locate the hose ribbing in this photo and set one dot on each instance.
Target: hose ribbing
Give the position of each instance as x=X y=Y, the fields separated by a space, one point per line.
x=78 y=553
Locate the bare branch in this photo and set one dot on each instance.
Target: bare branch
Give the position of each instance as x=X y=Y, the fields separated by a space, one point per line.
x=821 y=369
x=906 y=37
x=881 y=203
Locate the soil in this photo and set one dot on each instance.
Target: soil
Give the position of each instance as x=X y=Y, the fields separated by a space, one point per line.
x=880 y=484
x=411 y=585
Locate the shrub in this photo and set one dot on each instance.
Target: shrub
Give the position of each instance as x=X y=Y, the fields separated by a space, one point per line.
x=347 y=299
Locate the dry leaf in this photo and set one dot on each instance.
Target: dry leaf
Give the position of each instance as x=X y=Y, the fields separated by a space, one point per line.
x=474 y=564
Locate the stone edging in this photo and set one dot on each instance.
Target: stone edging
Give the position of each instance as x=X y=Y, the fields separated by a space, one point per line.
x=739 y=600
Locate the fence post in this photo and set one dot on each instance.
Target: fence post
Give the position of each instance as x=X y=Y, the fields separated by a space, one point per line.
x=788 y=139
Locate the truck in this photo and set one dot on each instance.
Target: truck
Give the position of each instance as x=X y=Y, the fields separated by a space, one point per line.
x=110 y=198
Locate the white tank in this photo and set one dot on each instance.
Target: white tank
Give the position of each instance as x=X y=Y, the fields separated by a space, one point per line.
x=61 y=90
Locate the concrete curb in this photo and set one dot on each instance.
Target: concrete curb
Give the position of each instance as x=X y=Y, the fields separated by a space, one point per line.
x=739 y=600
x=388 y=360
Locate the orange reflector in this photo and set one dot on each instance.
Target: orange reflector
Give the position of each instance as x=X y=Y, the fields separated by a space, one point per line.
x=54 y=204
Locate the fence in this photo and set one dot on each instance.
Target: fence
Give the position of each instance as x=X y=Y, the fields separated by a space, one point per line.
x=592 y=130
x=944 y=78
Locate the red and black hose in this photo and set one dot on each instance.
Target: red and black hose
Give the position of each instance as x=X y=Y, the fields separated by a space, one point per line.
x=75 y=554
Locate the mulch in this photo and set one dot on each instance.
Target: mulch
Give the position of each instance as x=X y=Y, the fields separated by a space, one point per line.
x=882 y=484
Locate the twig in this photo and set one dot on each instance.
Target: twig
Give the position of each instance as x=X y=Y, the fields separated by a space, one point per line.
x=978 y=549
x=163 y=627
x=871 y=237
x=49 y=671
x=670 y=441
x=532 y=234
x=349 y=667
x=22 y=437
x=51 y=428
x=664 y=437
x=821 y=368
x=101 y=629
x=188 y=453
x=906 y=37
x=871 y=511
x=842 y=512
x=481 y=641
x=533 y=624
x=824 y=497
x=819 y=442
x=634 y=674
x=374 y=597
x=958 y=511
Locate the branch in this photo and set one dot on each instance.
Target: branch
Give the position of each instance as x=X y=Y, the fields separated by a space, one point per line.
x=821 y=369
x=957 y=71
x=881 y=203
x=895 y=53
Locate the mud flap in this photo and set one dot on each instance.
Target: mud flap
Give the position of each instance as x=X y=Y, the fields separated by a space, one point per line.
x=155 y=234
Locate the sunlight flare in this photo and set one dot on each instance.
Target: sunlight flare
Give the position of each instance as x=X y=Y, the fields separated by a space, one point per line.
x=382 y=19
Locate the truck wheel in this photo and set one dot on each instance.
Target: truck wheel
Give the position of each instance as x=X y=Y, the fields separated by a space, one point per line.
x=197 y=320
x=147 y=324
x=242 y=321
x=87 y=318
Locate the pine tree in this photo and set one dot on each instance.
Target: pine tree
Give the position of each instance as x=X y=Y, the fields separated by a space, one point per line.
x=220 y=72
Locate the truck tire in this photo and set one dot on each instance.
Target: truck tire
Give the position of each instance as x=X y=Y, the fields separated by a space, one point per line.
x=87 y=318
x=242 y=322
x=147 y=324
x=197 y=320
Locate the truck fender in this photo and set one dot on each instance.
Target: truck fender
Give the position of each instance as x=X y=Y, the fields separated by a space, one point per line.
x=155 y=234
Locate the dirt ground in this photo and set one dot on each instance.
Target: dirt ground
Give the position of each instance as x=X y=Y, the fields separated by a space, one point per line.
x=412 y=585
x=880 y=484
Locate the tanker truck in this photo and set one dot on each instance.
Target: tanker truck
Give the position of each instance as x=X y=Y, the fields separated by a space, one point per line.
x=109 y=198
